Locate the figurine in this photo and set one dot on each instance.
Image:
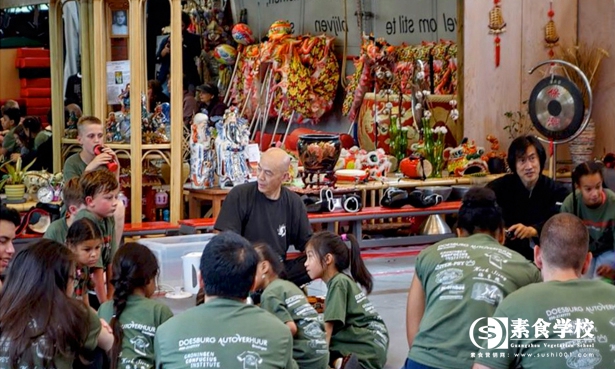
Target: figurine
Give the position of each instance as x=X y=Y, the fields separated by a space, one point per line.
x=202 y=153
x=231 y=143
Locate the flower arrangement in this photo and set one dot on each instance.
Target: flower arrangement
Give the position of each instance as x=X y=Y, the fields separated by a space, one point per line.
x=432 y=139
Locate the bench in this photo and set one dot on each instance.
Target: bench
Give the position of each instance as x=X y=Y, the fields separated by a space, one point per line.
x=191 y=226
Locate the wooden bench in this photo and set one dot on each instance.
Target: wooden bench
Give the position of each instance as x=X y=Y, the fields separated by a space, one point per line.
x=191 y=226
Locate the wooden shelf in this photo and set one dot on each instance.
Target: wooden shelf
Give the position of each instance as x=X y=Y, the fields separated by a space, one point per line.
x=121 y=146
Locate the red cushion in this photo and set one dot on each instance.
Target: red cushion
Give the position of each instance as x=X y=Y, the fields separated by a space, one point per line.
x=38 y=102
x=35 y=82
x=36 y=92
x=32 y=63
x=38 y=110
x=32 y=52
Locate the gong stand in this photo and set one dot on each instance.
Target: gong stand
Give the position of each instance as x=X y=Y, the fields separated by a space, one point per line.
x=556 y=109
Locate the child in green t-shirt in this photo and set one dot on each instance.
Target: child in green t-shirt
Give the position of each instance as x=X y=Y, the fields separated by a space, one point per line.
x=100 y=191
x=133 y=316
x=356 y=333
x=91 y=133
x=85 y=241
x=596 y=208
x=74 y=201
x=287 y=302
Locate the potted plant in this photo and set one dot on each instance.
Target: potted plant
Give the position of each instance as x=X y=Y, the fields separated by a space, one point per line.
x=519 y=123
x=13 y=180
x=588 y=59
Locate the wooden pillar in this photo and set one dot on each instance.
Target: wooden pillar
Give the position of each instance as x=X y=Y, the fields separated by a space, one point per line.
x=177 y=123
x=56 y=54
x=98 y=82
x=137 y=87
x=87 y=54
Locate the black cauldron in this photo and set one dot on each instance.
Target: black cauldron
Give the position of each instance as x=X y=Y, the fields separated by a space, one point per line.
x=319 y=152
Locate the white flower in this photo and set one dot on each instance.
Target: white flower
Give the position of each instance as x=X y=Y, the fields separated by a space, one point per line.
x=426 y=93
x=453 y=103
x=441 y=130
x=419 y=95
x=427 y=114
x=418 y=106
x=388 y=74
x=388 y=105
x=454 y=114
x=420 y=76
x=379 y=74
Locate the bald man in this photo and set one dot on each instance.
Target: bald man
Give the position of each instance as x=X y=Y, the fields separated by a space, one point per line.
x=266 y=211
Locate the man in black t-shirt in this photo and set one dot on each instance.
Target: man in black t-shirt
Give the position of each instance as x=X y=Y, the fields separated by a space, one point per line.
x=266 y=211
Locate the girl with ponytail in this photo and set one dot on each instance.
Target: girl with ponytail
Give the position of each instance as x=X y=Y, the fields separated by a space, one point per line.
x=356 y=333
x=133 y=316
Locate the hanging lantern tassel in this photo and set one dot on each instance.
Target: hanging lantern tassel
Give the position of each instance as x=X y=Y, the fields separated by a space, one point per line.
x=551 y=36
x=496 y=26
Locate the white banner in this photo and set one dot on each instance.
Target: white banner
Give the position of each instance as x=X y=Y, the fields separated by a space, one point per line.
x=397 y=21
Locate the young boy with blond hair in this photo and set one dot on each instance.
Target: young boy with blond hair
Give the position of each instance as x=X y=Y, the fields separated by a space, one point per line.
x=91 y=133
x=100 y=190
x=74 y=201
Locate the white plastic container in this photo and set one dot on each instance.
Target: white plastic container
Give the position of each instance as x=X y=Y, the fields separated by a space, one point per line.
x=191 y=263
x=169 y=252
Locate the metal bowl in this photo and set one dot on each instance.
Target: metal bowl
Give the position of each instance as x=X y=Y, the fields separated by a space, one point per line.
x=459 y=191
x=443 y=191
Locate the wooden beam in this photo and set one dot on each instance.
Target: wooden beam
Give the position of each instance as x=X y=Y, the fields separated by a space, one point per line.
x=177 y=104
x=137 y=87
x=99 y=49
x=56 y=54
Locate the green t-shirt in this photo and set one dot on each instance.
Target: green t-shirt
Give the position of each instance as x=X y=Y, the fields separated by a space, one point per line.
x=41 y=137
x=286 y=301
x=9 y=143
x=464 y=279
x=73 y=167
x=140 y=319
x=224 y=333
x=600 y=222
x=559 y=309
x=57 y=231
x=60 y=361
x=107 y=228
x=357 y=327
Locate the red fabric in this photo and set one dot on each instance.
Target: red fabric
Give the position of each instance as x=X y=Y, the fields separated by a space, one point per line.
x=38 y=110
x=35 y=82
x=267 y=139
x=20 y=101
x=38 y=102
x=32 y=63
x=291 y=141
x=36 y=92
x=32 y=52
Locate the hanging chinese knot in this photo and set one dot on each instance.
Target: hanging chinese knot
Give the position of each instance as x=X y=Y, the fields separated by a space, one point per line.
x=551 y=36
x=496 y=27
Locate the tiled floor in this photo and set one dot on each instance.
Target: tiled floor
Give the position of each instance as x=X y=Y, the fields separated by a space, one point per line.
x=392 y=277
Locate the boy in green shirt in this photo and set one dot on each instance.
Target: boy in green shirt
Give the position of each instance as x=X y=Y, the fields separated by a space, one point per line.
x=74 y=202
x=564 y=322
x=100 y=190
x=91 y=133
x=225 y=332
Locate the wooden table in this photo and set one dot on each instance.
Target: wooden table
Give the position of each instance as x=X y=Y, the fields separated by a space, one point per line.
x=215 y=195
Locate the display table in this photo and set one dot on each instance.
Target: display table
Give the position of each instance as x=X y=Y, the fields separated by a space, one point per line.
x=195 y=197
x=191 y=226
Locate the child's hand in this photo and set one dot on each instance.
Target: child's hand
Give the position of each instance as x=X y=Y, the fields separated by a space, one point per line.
x=606 y=271
x=106 y=326
x=99 y=160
